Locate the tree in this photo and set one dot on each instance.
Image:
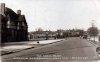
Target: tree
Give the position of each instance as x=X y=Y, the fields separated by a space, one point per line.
x=81 y=32
x=93 y=31
x=39 y=29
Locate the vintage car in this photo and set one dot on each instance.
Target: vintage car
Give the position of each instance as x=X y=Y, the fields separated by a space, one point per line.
x=85 y=36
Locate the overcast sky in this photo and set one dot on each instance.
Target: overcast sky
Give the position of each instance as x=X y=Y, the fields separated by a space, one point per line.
x=57 y=14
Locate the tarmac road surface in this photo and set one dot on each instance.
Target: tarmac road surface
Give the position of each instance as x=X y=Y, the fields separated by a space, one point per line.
x=68 y=50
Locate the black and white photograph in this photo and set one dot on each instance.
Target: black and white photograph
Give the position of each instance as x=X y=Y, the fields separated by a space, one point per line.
x=49 y=30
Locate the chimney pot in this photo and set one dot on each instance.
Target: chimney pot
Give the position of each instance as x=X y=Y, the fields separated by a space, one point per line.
x=2 y=8
x=19 y=12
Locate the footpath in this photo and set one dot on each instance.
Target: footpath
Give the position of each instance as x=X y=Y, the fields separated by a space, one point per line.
x=94 y=42
x=12 y=47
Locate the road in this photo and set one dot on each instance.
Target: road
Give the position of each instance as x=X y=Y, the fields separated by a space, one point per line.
x=68 y=50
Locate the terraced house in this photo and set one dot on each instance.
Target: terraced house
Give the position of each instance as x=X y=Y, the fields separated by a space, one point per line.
x=13 y=26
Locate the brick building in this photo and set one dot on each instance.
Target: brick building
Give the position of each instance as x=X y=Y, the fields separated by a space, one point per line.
x=13 y=26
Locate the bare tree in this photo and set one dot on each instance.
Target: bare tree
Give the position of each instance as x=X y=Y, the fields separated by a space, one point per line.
x=93 y=31
x=39 y=29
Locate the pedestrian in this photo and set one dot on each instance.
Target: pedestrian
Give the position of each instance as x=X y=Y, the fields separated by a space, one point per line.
x=80 y=37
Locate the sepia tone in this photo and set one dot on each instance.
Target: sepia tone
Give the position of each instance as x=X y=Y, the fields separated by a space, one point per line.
x=13 y=25
x=21 y=43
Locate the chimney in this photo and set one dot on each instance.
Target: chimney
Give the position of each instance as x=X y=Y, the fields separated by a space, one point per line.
x=19 y=12
x=2 y=8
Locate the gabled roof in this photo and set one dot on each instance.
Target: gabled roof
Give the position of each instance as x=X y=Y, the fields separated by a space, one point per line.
x=11 y=13
x=21 y=18
x=2 y=17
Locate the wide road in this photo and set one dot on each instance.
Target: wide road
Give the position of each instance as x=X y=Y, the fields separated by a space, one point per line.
x=68 y=50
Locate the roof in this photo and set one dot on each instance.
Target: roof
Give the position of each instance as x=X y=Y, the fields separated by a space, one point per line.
x=43 y=32
x=21 y=18
x=11 y=13
x=2 y=17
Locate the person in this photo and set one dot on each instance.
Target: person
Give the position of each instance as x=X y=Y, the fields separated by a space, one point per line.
x=80 y=37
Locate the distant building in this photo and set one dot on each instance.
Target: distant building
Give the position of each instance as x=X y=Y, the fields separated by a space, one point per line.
x=56 y=34
x=13 y=27
x=44 y=35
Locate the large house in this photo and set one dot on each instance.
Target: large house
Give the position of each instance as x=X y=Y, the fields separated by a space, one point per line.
x=13 y=26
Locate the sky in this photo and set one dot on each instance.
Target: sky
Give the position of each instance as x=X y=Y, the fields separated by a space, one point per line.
x=57 y=14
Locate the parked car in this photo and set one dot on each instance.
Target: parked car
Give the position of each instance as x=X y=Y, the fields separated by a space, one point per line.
x=84 y=36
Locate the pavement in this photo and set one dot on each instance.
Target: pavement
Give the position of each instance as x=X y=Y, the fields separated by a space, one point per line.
x=12 y=47
x=68 y=50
